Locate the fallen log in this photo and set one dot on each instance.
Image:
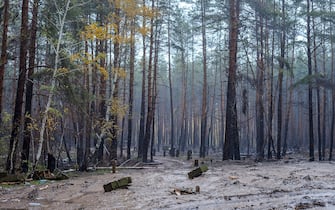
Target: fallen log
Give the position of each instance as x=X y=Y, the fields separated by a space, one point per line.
x=121 y=183
x=197 y=172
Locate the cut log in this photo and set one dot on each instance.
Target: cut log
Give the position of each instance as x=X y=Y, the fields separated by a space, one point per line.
x=197 y=172
x=121 y=183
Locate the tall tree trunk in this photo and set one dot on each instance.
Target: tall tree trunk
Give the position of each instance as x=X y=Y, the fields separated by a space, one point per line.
x=155 y=90
x=204 y=87
x=289 y=83
x=260 y=91
x=17 y=119
x=310 y=88
x=231 y=148
x=332 y=127
x=101 y=48
x=116 y=66
x=280 y=82
x=131 y=87
x=270 y=94
x=142 y=114
x=61 y=24
x=316 y=71
x=29 y=90
x=170 y=87
x=3 y=58
x=150 y=114
x=182 y=139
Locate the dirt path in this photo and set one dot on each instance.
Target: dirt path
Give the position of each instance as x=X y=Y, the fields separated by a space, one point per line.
x=226 y=185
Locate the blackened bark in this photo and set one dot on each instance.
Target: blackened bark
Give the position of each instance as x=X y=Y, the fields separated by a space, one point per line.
x=29 y=90
x=170 y=88
x=142 y=114
x=17 y=119
x=3 y=58
x=310 y=88
x=150 y=110
x=231 y=148
x=131 y=87
x=280 y=83
x=203 y=133
x=260 y=90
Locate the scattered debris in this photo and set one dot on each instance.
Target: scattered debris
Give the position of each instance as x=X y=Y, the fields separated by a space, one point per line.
x=310 y=204
x=34 y=204
x=46 y=174
x=308 y=178
x=44 y=187
x=33 y=194
x=121 y=183
x=197 y=172
x=233 y=177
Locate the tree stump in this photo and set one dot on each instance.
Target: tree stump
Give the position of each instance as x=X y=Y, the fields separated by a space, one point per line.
x=51 y=163
x=197 y=189
x=113 y=166
x=177 y=153
x=196 y=163
x=189 y=154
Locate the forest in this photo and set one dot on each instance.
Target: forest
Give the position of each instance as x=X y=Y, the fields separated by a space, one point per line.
x=89 y=82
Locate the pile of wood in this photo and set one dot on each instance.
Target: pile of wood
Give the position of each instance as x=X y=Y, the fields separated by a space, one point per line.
x=46 y=174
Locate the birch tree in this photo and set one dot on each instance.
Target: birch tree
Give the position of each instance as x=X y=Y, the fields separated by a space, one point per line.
x=62 y=13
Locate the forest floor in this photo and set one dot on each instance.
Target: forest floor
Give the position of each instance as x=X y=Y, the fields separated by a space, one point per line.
x=285 y=184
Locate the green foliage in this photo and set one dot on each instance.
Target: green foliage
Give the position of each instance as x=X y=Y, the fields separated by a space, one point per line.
x=316 y=80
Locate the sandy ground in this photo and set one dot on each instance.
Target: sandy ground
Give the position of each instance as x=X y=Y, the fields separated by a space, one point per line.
x=285 y=184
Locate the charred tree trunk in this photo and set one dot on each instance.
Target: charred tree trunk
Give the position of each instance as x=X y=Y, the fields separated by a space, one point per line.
x=150 y=111
x=231 y=148
x=131 y=87
x=310 y=88
x=142 y=114
x=280 y=83
x=260 y=91
x=170 y=88
x=29 y=90
x=270 y=96
x=204 y=87
x=17 y=119
x=332 y=127
x=3 y=58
